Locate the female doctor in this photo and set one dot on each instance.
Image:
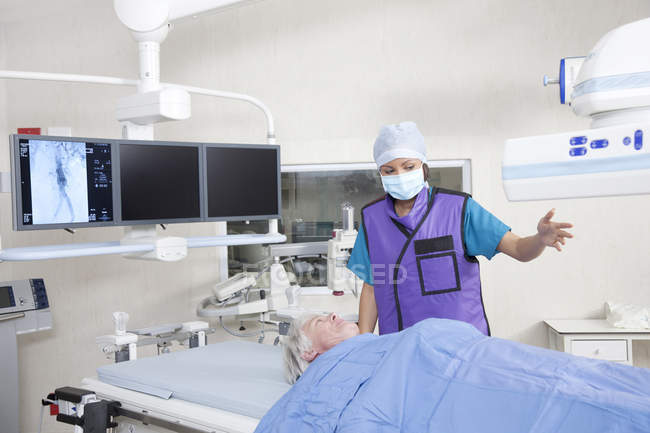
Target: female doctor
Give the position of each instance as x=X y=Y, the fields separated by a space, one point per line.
x=417 y=246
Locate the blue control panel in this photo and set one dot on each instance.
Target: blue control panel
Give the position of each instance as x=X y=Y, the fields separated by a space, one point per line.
x=638 y=139
x=599 y=144
x=578 y=151
x=40 y=295
x=578 y=141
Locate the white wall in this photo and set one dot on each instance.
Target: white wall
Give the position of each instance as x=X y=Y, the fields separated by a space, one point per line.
x=468 y=72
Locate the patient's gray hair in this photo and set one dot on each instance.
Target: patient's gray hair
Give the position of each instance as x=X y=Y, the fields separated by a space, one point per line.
x=296 y=343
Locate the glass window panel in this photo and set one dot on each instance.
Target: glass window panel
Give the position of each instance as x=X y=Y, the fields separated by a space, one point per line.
x=311 y=210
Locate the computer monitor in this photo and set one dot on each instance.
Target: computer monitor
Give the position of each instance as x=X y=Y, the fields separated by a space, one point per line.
x=160 y=182
x=242 y=182
x=61 y=182
x=66 y=182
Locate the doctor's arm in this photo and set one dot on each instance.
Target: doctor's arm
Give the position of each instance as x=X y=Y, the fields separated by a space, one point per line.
x=549 y=234
x=367 y=309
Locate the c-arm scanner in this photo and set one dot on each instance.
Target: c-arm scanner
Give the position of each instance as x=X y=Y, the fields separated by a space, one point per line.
x=240 y=295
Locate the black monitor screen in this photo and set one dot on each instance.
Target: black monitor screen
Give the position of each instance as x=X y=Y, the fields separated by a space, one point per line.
x=6 y=297
x=159 y=182
x=65 y=182
x=242 y=181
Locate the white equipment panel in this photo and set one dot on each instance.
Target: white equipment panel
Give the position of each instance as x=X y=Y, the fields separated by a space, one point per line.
x=593 y=162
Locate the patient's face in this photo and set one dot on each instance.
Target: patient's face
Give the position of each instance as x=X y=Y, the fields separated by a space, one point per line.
x=326 y=332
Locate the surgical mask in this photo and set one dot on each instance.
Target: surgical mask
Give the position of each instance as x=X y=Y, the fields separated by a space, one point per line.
x=404 y=186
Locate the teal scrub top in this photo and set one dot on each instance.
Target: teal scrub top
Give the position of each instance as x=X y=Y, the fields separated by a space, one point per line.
x=483 y=232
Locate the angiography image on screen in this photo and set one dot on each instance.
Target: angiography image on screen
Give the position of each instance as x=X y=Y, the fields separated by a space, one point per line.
x=58 y=175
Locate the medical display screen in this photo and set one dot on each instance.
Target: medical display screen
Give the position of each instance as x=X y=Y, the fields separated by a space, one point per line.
x=65 y=182
x=6 y=297
x=159 y=182
x=242 y=181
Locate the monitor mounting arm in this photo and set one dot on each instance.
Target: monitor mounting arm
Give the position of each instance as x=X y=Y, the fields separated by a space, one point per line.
x=149 y=22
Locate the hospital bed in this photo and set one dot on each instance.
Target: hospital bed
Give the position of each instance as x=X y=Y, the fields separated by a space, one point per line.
x=222 y=387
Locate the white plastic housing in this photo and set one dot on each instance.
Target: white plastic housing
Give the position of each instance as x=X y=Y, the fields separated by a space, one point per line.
x=117 y=340
x=169 y=103
x=195 y=326
x=142 y=15
x=277 y=298
x=571 y=71
x=241 y=309
x=167 y=249
x=339 y=277
x=616 y=74
x=232 y=285
x=542 y=167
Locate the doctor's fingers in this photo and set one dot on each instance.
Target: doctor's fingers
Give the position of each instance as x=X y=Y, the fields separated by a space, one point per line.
x=557 y=246
x=549 y=215
x=563 y=225
x=563 y=234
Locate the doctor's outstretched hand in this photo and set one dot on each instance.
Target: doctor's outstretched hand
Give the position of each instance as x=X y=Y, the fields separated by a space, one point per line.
x=551 y=233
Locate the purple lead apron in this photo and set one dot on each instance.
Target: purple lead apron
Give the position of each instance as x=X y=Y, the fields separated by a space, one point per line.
x=419 y=264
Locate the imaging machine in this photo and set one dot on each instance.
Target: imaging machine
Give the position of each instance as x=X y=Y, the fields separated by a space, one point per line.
x=611 y=85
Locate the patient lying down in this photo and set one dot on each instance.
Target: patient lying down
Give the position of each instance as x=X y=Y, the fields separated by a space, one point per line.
x=445 y=376
x=310 y=336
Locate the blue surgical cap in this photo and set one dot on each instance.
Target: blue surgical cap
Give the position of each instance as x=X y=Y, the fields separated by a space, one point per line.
x=402 y=140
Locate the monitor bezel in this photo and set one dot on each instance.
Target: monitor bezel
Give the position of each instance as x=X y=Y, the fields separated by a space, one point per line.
x=276 y=147
x=16 y=185
x=199 y=156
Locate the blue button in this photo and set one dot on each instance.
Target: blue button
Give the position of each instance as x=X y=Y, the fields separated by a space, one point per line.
x=627 y=141
x=578 y=151
x=578 y=141
x=599 y=144
x=638 y=139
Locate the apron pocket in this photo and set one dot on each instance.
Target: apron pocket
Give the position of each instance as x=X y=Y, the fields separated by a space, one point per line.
x=438 y=273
